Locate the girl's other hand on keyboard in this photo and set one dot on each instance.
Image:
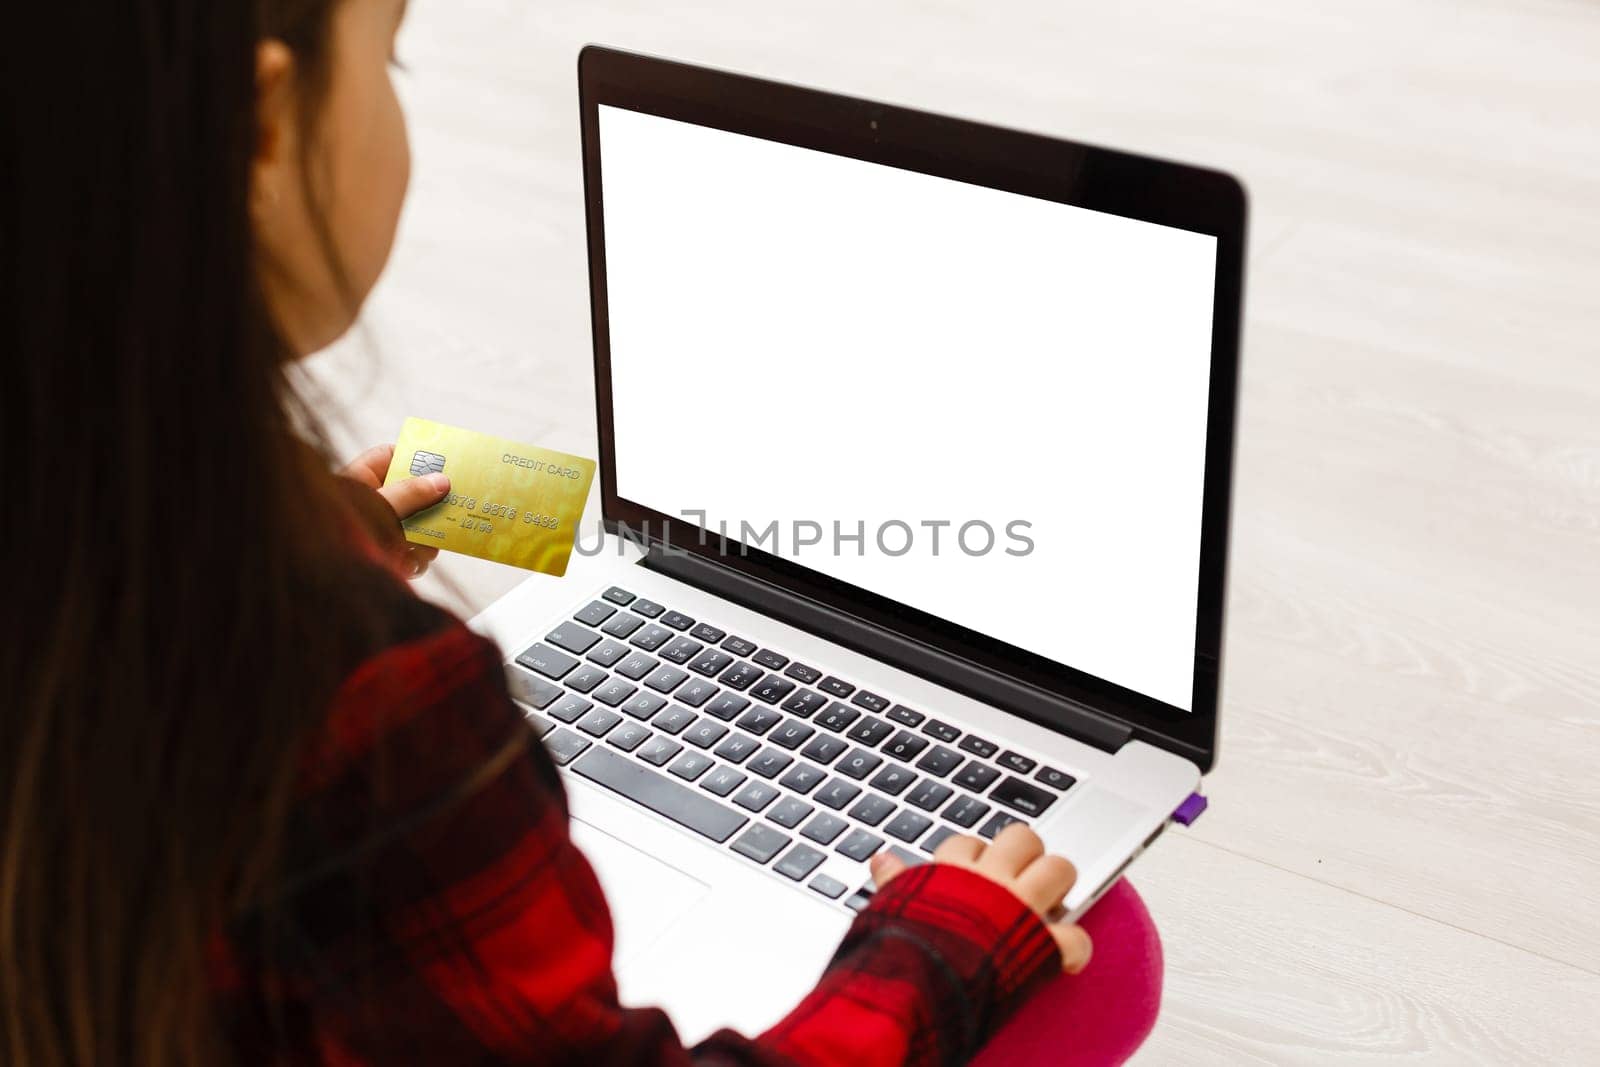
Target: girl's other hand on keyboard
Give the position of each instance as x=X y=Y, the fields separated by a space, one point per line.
x=1016 y=860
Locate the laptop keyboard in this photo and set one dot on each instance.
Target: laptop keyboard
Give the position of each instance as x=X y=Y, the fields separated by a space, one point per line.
x=778 y=761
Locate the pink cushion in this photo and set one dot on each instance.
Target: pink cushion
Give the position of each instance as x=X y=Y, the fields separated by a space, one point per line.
x=1102 y=1015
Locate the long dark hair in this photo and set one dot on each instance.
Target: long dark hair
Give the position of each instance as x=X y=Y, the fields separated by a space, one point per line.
x=167 y=503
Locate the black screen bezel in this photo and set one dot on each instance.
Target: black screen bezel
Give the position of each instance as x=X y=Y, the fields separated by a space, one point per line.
x=1119 y=183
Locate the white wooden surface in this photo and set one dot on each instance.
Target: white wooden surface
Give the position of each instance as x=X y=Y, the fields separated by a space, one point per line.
x=1403 y=855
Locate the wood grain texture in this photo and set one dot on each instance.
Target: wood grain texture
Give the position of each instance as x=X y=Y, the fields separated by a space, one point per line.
x=1404 y=850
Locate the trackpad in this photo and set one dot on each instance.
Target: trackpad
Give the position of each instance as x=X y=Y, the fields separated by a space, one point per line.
x=628 y=876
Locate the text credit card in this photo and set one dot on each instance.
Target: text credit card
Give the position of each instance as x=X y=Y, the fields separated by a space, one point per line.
x=508 y=502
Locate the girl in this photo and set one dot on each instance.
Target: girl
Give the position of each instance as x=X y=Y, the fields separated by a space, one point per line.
x=258 y=803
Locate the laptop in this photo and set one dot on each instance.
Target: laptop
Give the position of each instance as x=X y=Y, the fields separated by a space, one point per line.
x=915 y=451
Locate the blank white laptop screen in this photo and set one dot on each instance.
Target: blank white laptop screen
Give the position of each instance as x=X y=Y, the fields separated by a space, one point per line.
x=799 y=337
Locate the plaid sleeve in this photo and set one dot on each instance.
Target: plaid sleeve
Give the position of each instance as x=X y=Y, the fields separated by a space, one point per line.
x=442 y=914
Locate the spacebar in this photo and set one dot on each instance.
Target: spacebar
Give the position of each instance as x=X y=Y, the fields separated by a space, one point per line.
x=661 y=795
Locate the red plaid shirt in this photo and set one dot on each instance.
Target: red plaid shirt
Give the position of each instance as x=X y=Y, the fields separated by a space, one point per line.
x=435 y=909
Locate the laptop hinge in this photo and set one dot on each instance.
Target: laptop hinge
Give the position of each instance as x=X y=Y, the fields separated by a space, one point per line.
x=1057 y=713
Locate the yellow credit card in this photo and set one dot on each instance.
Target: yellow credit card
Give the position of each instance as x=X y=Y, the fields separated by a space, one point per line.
x=508 y=502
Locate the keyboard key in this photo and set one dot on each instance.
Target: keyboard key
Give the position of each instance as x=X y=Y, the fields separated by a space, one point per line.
x=790 y=812
x=648 y=608
x=870 y=701
x=739 y=646
x=799 y=862
x=651 y=637
x=540 y=724
x=801 y=673
x=943 y=731
x=673 y=720
x=664 y=679
x=708 y=633
x=696 y=692
x=598 y=722
x=675 y=619
x=769 y=763
x=858 y=763
x=637 y=665
x=872 y=809
x=859 y=845
x=838 y=687
x=893 y=779
x=804 y=703
x=725 y=780
x=928 y=795
x=831 y=888
x=905 y=745
x=658 y=750
x=759 y=720
x=939 y=762
x=710 y=662
x=836 y=793
x=978 y=746
x=623 y=625
x=543 y=659
x=1016 y=761
x=530 y=689
x=859 y=899
x=680 y=803
x=791 y=734
x=1055 y=779
x=937 y=838
x=760 y=843
x=823 y=748
x=618 y=595
x=997 y=822
x=628 y=736
x=837 y=717
x=824 y=828
x=563 y=745
x=607 y=652
x=680 y=650
x=569 y=708
x=965 y=810
x=755 y=796
x=869 y=731
x=586 y=678
x=976 y=777
x=642 y=705
x=691 y=765
x=907 y=826
x=770 y=659
x=1022 y=796
x=614 y=692
x=704 y=733
x=740 y=675
x=802 y=777
x=595 y=614
x=772 y=689
x=905 y=716
x=725 y=706
x=573 y=637
x=736 y=747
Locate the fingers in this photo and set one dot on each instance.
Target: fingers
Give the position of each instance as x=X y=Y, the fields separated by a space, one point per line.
x=1075 y=946
x=1045 y=882
x=371 y=467
x=958 y=848
x=412 y=495
x=417 y=559
x=885 y=867
x=1012 y=850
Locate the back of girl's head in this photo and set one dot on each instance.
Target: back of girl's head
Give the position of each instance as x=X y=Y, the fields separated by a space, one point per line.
x=166 y=641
